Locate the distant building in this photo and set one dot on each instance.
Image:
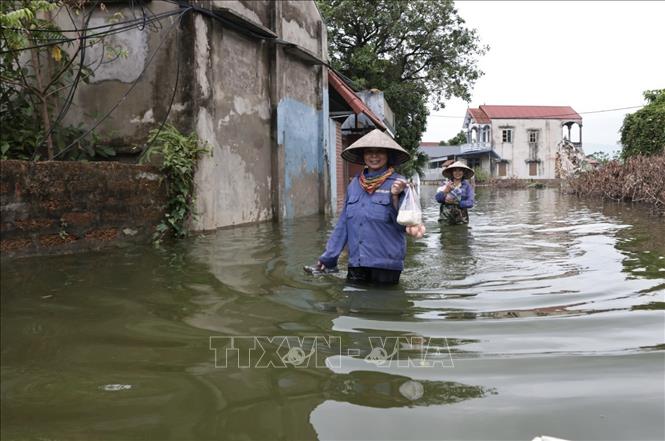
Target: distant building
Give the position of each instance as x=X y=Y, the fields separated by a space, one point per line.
x=524 y=142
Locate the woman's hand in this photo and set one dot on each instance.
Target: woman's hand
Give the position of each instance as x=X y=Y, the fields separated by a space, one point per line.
x=397 y=187
x=450 y=199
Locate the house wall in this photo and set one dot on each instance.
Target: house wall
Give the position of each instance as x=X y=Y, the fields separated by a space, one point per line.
x=264 y=116
x=147 y=103
x=518 y=151
x=262 y=111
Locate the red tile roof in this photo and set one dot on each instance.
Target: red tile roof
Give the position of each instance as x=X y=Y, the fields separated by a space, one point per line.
x=530 y=112
x=479 y=116
x=352 y=99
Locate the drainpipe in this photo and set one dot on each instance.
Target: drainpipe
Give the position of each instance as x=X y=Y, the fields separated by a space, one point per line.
x=277 y=148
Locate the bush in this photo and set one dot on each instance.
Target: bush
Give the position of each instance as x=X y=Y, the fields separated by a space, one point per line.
x=481 y=175
x=639 y=179
x=643 y=132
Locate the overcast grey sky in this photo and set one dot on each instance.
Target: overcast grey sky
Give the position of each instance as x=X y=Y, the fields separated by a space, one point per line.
x=588 y=55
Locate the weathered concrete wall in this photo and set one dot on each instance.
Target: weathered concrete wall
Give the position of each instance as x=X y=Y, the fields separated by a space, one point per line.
x=517 y=151
x=60 y=207
x=233 y=185
x=147 y=104
x=262 y=110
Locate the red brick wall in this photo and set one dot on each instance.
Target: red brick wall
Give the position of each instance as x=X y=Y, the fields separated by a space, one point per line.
x=339 y=166
x=60 y=207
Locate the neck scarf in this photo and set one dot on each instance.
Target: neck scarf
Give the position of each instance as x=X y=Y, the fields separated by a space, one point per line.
x=371 y=184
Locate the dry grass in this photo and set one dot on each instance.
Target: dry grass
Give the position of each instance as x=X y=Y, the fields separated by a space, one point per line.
x=638 y=179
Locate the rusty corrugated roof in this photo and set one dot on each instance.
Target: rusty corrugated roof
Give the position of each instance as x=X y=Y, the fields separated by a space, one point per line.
x=352 y=99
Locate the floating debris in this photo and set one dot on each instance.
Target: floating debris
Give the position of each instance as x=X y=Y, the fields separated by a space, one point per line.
x=116 y=387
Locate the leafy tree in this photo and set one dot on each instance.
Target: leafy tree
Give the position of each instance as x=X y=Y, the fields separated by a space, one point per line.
x=458 y=139
x=643 y=132
x=35 y=68
x=603 y=158
x=414 y=51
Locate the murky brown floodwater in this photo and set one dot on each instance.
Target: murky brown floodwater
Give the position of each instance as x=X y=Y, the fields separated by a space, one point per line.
x=545 y=317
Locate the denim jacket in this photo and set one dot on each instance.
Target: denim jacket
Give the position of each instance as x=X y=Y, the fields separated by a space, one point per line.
x=464 y=195
x=368 y=225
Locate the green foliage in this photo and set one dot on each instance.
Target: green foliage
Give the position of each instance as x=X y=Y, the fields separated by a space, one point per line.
x=416 y=164
x=180 y=155
x=414 y=51
x=643 y=132
x=31 y=80
x=481 y=175
x=458 y=139
x=603 y=158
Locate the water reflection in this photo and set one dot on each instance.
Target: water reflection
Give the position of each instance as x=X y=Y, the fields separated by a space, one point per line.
x=533 y=298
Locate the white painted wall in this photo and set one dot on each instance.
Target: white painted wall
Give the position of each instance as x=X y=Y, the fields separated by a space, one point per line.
x=518 y=151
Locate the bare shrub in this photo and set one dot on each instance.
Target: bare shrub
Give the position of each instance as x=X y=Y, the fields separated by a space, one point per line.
x=638 y=179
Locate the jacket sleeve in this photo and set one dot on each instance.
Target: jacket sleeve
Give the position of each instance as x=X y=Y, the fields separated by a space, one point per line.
x=336 y=241
x=469 y=196
x=440 y=197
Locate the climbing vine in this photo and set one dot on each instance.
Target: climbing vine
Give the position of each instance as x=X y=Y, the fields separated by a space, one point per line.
x=179 y=156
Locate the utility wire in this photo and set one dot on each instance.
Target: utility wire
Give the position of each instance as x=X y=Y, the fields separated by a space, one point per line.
x=553 y=116
x=126 y=94
x=112 y=31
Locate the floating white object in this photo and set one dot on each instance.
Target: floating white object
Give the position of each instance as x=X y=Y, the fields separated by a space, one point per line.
x=547 y=438
x=116 y=387
x=412 y=390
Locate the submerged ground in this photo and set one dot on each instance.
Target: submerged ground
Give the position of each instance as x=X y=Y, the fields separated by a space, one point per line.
x=543 y=316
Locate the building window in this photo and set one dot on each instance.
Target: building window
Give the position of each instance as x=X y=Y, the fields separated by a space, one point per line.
x=533 y=169
x=533 y=136
x=473 y=162
x=507 y=135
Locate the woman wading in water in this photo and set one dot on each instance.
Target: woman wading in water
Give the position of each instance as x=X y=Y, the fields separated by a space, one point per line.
x=457 y=195
x=368 y=223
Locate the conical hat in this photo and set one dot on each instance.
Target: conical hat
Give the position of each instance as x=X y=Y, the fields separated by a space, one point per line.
x=375 y=139
x=448 y=171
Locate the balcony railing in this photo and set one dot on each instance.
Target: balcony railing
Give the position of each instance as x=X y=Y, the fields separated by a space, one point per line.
x=473 y=146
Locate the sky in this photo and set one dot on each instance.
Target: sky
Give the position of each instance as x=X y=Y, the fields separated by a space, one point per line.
x=591 y=56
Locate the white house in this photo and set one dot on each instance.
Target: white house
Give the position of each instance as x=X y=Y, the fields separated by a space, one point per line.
x=526 y=142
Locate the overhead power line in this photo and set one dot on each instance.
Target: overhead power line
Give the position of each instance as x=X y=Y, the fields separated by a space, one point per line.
x=553 y=116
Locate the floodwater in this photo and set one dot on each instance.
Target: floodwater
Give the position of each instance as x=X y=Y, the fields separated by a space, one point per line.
x=543 y=317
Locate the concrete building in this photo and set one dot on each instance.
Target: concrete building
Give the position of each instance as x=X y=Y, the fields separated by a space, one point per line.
x=246 y=77
x=520 y=141
x=524 y=142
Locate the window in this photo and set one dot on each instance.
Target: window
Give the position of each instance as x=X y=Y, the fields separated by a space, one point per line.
x=533 y=136
x=507 y=135
x=473 y=162
x=533 y=169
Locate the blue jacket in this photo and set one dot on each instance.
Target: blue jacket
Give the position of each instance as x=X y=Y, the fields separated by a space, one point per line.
x=465 y=195
x=368 y=224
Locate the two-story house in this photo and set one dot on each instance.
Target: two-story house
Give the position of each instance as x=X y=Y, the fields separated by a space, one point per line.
x=520 y=141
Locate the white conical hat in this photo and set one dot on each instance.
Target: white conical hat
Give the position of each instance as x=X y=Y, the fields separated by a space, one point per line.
x=375 y=139
x=448 y=171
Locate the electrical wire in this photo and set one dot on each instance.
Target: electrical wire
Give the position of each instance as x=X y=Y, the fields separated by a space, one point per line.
x=126 y=94
x=111 y=31
x=554 y=116
x=168 y=111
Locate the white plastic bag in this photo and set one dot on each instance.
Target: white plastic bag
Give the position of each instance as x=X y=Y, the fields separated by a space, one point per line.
x=410 y=212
